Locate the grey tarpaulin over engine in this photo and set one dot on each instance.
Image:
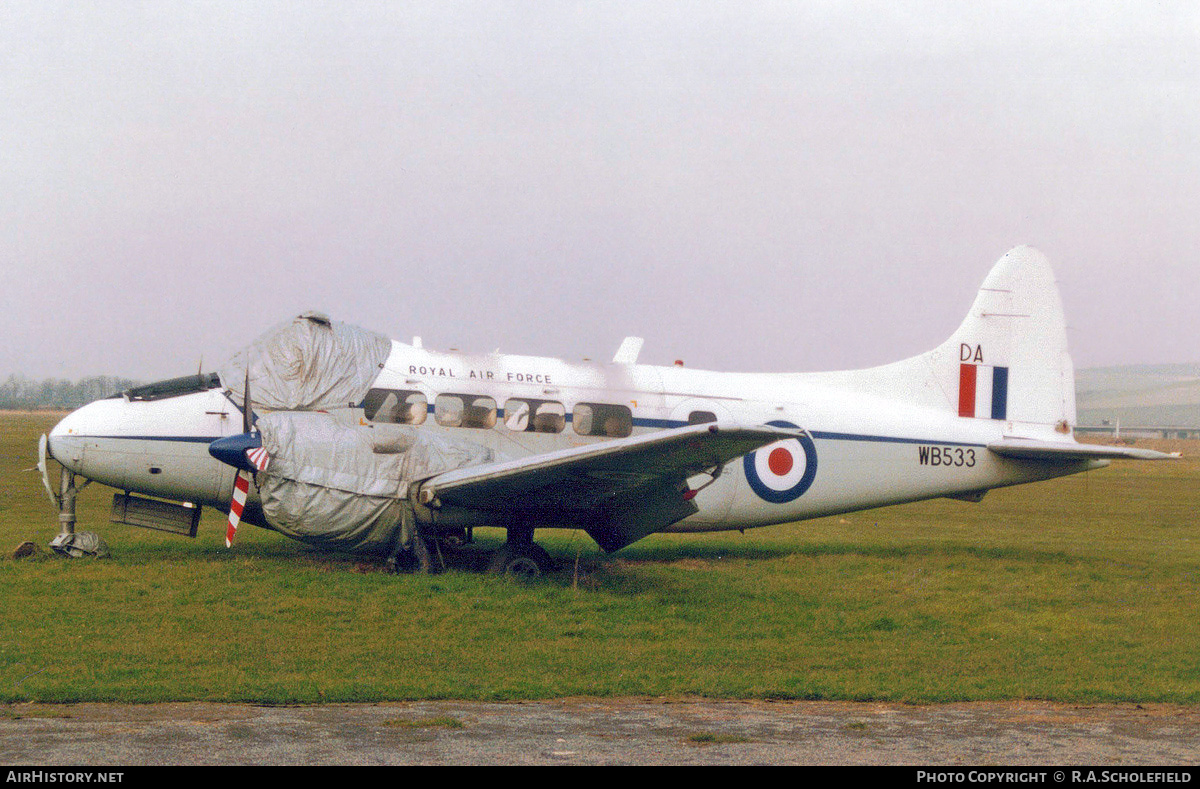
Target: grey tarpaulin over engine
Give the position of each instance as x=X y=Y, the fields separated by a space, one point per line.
x=342 y=486
x=329 y=483
x=311 y=362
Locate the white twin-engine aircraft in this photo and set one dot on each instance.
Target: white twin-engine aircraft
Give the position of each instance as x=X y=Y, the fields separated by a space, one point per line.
x=345 y=439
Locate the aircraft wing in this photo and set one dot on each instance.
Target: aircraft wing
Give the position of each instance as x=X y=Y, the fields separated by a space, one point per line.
x=618 y=490
x=1068 y=451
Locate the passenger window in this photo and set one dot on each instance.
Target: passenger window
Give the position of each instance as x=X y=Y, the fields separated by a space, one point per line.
x=700 y=417
x=395 y=406
x=461 y=410
x=534 y=416
x=602 y=419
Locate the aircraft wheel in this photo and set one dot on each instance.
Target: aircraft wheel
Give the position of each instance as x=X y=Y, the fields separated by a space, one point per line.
x=521 y=561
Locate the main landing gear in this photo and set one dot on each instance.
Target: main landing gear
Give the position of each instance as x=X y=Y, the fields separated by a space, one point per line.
x=423 y=549
x=526 y=560
x=521 y=561
x=520 y=556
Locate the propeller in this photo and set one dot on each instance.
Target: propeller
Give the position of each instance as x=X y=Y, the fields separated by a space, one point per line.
x=244 y=452
x=241 y=485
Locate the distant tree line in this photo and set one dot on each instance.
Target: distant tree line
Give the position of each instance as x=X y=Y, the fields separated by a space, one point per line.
x=19 y=393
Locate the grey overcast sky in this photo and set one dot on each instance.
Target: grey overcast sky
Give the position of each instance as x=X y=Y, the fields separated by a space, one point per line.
x=750 y=186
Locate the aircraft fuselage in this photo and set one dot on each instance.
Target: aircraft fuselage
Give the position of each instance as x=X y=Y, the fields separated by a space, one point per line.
x=861 y=450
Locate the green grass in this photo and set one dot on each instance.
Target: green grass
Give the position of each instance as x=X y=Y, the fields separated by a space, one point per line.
x=1084 y=589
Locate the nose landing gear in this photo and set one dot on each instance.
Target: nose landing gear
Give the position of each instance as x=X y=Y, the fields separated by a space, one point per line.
x=69 y=542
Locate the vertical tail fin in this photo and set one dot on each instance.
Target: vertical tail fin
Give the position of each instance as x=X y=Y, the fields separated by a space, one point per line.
x=1007 y=362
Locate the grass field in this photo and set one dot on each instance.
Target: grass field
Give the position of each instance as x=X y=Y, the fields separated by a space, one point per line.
x=1083 y=589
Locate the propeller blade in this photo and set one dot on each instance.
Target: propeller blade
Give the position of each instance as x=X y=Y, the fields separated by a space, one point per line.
x=246 y=425
x=241 y=487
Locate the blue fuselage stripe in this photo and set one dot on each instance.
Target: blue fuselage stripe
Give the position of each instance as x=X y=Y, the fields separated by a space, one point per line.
x=649 y=423
x=179 y=439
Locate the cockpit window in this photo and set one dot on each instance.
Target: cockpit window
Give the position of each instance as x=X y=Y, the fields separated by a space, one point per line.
x=173 y=387
x=396 y=406
x=602 y=419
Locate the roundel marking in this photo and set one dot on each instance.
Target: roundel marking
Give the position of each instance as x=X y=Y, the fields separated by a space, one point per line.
x=783 y=471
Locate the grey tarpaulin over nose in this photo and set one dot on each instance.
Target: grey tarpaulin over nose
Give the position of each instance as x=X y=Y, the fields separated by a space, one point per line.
x=309 y=362
x=342 y=486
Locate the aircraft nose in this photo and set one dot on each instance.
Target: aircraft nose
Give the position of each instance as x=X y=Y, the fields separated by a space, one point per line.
x=66 y=439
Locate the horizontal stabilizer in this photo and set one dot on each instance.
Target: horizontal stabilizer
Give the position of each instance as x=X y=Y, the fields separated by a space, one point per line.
x=1066 y=451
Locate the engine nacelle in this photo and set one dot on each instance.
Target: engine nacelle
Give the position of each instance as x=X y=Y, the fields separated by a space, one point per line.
x=343 y=486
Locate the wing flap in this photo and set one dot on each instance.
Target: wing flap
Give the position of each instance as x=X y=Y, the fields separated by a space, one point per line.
x=1069 y=451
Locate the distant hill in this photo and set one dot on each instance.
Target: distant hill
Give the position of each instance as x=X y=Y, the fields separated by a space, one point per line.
x=1165 y=395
